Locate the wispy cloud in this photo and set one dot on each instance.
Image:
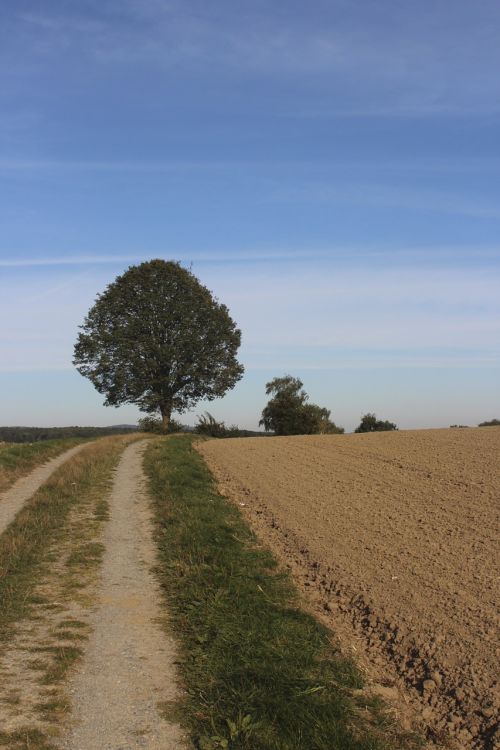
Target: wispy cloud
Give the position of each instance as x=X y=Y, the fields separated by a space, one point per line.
x=90 y=165
x=396 y=361
x=334 y=256
x=397 y=59
x=403 y=165
x=391 y=196
x=77 y=260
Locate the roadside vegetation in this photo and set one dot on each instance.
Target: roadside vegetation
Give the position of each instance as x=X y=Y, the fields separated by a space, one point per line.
x=207 y=425
x=16 y=459
x=259 y=672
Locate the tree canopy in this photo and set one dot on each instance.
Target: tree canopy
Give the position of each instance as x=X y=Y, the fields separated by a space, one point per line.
x=288 y=413
x=370 y=423
x=157 y=338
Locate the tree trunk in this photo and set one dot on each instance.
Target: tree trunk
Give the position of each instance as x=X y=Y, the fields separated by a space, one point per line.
x=165 y=420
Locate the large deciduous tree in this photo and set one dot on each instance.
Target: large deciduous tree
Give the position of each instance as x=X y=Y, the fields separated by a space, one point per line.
x=157 y=338
x=288 y=413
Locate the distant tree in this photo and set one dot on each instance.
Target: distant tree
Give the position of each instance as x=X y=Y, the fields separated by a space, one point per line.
x=370 y=423
x=491 y=423
x=159 y=339
x=288 y=413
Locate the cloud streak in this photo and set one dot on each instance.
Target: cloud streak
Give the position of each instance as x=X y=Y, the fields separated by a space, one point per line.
x=319 y=317
x=404 y=165
x=335 y=256
x=389 y=196
x=392 y=61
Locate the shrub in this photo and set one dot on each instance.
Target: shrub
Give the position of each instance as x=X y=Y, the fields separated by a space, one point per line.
x=155 y=425
x=208 y=425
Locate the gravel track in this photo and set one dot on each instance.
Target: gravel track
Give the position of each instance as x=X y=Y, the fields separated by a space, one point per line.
x=393 y=537
x=128 y=670
x=14 y=498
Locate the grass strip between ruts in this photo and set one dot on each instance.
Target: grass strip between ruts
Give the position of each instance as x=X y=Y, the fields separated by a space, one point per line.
x=259 y=673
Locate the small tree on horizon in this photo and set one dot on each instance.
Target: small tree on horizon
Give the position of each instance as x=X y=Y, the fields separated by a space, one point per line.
x=370 y=423
x=288 y=413
x=157 y=338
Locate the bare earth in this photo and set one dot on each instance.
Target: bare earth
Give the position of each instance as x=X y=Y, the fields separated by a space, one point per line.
x=14 y=498
x=128 y=668
x=394 y=538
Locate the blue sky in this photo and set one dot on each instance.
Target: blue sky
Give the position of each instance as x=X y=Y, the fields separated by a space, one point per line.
x=331 y=172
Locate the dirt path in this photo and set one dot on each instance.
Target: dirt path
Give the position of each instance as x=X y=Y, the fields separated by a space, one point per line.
x=127 y=671
x=393 y=538
x=14 y=498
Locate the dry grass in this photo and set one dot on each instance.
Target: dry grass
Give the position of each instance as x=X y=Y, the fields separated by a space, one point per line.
x=18 y=459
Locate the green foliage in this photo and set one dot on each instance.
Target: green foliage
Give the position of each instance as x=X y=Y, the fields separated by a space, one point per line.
x=370 y=423
x=259 y=673
x=208 y=425
x=490 y=423
x=157 y=338
x=155 y=425
x=288 y=413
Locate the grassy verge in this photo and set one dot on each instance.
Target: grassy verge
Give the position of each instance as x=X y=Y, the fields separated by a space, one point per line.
x=259 y=673
x=17 y=459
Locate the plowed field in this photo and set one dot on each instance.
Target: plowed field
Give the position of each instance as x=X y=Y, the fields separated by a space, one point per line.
x=394 y=538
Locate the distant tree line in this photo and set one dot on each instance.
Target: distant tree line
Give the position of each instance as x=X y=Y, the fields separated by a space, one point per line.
x=490 y=423
x=34 y=434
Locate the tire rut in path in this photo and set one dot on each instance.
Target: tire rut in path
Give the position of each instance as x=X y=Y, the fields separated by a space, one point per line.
x=128 y=668
x=13 y=499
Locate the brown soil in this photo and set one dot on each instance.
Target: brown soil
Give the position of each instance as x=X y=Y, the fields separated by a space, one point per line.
x=392 y=537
